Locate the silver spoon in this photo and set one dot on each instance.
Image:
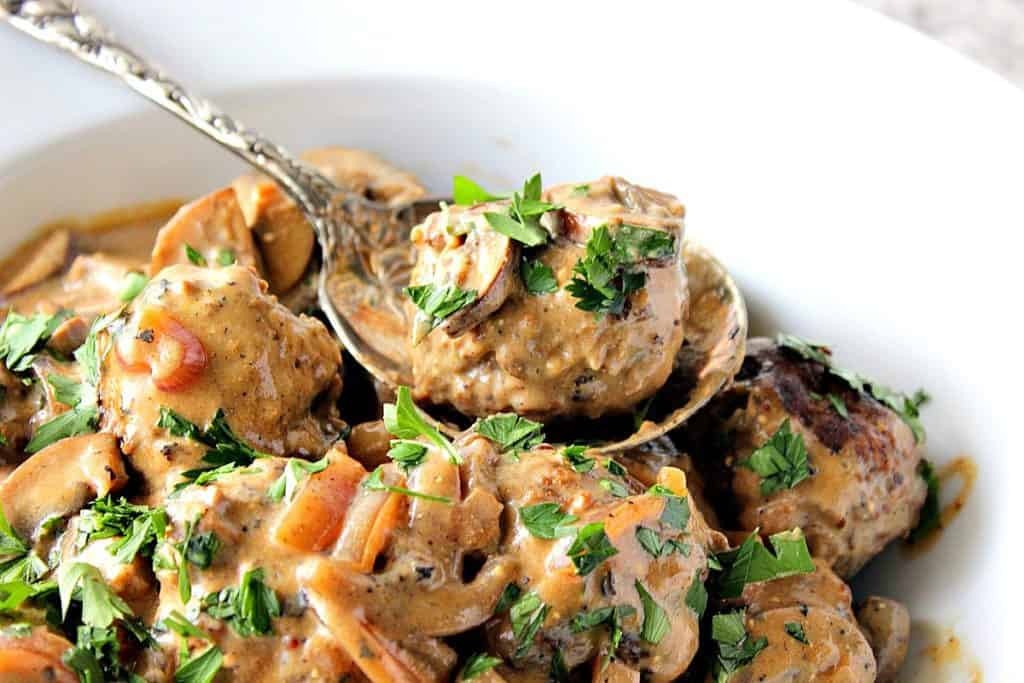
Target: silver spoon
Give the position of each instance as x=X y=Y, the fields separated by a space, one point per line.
x=364 y=245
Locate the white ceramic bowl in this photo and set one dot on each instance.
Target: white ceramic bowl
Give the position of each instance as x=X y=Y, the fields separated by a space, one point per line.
x=862 y=183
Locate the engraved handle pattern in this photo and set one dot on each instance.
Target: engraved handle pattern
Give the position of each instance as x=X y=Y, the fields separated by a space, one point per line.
x=59 y=23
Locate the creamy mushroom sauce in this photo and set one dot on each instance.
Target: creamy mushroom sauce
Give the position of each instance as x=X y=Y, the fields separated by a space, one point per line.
x=203 y=384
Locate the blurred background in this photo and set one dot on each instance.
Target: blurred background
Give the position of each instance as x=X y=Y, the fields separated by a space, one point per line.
x=990 y=31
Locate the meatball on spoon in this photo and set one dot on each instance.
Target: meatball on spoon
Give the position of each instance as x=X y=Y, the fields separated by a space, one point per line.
x=365 y=252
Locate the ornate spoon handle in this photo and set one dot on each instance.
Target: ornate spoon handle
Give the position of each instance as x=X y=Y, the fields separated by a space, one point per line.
x=59 y=23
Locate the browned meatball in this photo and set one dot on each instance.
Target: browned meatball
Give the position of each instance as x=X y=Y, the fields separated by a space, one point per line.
x=202 y=340
x=541 y=354
x=863 y=490
x=810 y=630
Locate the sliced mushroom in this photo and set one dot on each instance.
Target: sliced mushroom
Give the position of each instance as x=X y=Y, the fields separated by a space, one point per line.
x=476 y=258
x=48 y=257
x=60 y=479
x=213 y=226
x=886 y=624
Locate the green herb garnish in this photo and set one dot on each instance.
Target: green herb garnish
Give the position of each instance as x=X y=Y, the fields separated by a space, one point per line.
x=796 y=630
x=781 y=462
x=590 y=548
x=616 y=488
x=407 y=454
x=403 y=419
x=655 y=623
x=538 y=277
x=735 y=648
x=752 y=562
x=511 y=432
x=438 y=303
x=574 y=455
x=522 y=221
x=295 y=470
x=226 y=452
x=226 y=257
x=697 y=596
x=194 y=256
x=546 y=520
x=22 y=336
x=527 y=616
x=375 y=482
x=132 y=285
x=465 y=192
x=931 y=512
x=477 y=664
x=249 y=608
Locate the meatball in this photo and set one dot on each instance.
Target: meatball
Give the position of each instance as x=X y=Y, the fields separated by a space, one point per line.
x=576 y=343
x=862 y=489
x=886 y=625
x=807 y=621
x=203 y=341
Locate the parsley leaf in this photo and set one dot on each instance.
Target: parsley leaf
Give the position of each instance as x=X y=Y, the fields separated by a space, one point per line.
x=477 y=664
x=96 y=655
x=511 y=432
x=202 y=668
x=294 y=471
x=538 y=277
x=177 y=622
x=200 y=549
x=735 y=648
x=403 y=419
x=546 y=520
x=577 y=460
x=781 y=462
x=100 y=605
x=819 y=353
x=752 y=562
x=677 y=508
x=375 y=482
x=590 y=548
x=616 y=488
x=649 y=541
x=839 y=405
x=408 y=454
x=226 y=257
x=65 y=389
x=466 y=192
x=507 y=598
x=522 y=222
x=527 y=616
x=22 y=336
x=796 y=630
x=558 y=672
x=249 y=608
x=437 y=303
x=226 y=452
x=655 y=623
x=584 y=621
x=132 y=285
x=194 y=256
x=79 y=420
x=140 y=527
x=580 y=190
x=11 y=544
x=697 y=596
x=931 y=512
x=635 y=244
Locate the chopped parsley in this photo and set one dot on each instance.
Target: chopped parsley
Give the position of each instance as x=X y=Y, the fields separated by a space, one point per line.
x=200 y=549
x=590 y=548
x=655 y=623
x=249 y=609
x=579 y=462
x=477 y=664
x=677 y=508
x=96 y=655
x=375 y=482
x=511 y=432
x=201 y=668
x=605 y=276
x=132 y=285
x=546 y=520
x=614 y=468
x=558 y=672
x=538 y=277
x=585 y=621
x=752 y=562
x=21 y=337
x=139 y=527
x=465 y=192
x=65 y=389
x=407 y=454
x=226 y=452
x=403 y=419
x=931 y=512
x=295 y=470
x=438 y=303
x=522 y=221
x=735 y=647
x=580 y=190
x=796 y=630
x=81 y=419
x=226 y=257
x=650 y=541
x=527 y=616
x=194 y=256
x=100 y=605
x=839 y=405
x=507 y=598
x=20 y=568
x=697 y=596
x=616 y=488
x=781 y=462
